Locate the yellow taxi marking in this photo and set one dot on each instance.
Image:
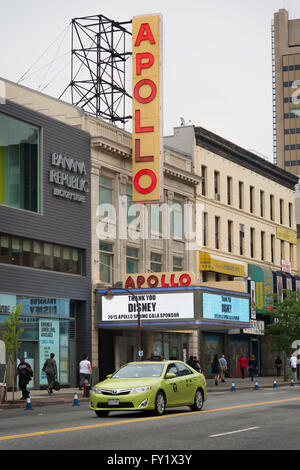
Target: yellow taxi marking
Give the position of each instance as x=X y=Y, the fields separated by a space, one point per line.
x=138 y=420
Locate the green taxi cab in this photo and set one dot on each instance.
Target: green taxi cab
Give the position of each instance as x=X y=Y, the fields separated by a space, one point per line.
x=149 y=386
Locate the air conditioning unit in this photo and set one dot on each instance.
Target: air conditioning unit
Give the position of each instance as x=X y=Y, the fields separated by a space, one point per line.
x=217 y=197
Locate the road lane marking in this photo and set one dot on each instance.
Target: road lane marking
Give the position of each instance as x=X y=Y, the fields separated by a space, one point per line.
x=139 y=420
x=234 y=432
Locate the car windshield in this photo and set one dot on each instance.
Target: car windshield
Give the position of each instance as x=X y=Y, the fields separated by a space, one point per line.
x=139 y=371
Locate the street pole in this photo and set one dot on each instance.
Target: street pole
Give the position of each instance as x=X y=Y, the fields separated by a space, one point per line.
x=109 y=293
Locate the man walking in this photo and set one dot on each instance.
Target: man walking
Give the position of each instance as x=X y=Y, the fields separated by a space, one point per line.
x=85 y=371
x=51 y=371
x=223 y=367
x=24 y=371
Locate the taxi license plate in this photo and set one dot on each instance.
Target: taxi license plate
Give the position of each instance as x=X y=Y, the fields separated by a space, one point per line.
x=113 y=401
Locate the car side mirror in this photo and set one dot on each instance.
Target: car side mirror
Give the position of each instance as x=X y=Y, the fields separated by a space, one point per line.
x=109 y=376
x=170 y=375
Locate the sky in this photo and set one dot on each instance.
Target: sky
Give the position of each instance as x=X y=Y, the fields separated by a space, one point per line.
x=216 y=57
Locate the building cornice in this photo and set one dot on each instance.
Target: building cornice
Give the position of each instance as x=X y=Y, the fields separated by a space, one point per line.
x=243 y=157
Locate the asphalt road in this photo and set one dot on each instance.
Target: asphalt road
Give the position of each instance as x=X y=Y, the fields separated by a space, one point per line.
x=264 y=419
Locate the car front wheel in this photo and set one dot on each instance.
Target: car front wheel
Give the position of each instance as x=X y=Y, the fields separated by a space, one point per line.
x=101 y=414
x=198 y=400
x=160 y=404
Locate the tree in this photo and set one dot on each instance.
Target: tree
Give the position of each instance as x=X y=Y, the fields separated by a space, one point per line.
x=11 y=339
x=285 y=329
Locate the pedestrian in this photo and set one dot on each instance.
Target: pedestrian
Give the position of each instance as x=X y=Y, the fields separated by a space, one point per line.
x=25 y=373
x=278 y=365
x=242 y=362
x=196 y=364
x=252 y=366
x=293 y=364
x=51 y=371
x=85 y=371
x=223 y=367
x=215 y=368
x=190 y=361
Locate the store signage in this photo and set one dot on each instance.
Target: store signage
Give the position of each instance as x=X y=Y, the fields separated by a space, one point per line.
x=69 y=174
x=172 y=306
x=263 y=279
x=49 y=343
x=286 y=266
x=286 y=235
x=225 y=307
x=147 y=109
x=257 y=328
x=221 y=265
x=152 y=280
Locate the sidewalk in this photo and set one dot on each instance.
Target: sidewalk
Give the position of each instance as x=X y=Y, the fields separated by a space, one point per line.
x=66 y=395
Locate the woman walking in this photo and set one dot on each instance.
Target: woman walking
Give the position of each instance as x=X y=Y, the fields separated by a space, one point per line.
x=215 y=368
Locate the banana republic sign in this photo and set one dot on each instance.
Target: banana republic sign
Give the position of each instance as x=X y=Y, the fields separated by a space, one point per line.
x=68 y=175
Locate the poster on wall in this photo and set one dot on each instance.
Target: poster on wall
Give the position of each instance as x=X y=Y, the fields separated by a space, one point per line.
x=253 y=300
x=49 y=343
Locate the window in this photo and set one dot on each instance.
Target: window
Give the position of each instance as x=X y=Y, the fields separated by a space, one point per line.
x=272 y=247
x=132 y=214
x=262 y=245
x=291 y=254
x=241 y=195
x=229 y=235
x=4 y=249
x=281 y=211
x=217 y=232
x=217 y=185
x=262 y=203
x=106 y=197
x=183 y=369
x=242 y=237
x=252 y=199
x=132 y=260
x=177 y=264
x=36 y=254
x=19 y=164
x=155 y=219
x=290 y=214
x=282 y=251
x=177 y=219
x=203 y=181
x=57 y=258
x=271 y=207
x=252 y=242
x=229 y=190
x=106 y=262
x=204 y=229
x=155 y=262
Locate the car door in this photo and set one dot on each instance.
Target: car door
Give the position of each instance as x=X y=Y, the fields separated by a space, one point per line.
x=172 y=386
x=187 y=383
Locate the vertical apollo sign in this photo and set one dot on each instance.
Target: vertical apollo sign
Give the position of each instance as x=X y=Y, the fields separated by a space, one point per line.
x=147 y=161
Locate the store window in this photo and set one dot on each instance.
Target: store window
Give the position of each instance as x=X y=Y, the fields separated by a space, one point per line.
x=106 y=262
x=19 y=164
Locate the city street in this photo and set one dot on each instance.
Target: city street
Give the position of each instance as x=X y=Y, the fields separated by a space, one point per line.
x=265 y=419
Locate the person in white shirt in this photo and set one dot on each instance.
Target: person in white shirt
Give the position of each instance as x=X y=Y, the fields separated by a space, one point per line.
x=85 y=371
x=293 y=363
